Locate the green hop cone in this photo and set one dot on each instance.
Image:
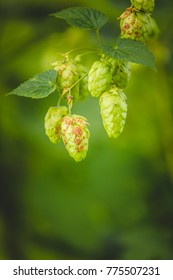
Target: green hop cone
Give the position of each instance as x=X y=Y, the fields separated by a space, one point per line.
x=134 y=25
x=67 y=77
x=83 y=84
x=53 y=121
x=153 y=30
x=75 y=135
x=113 y=108
x=144 y=5
x=99 y=78
x=108 y=60
x=121 y=73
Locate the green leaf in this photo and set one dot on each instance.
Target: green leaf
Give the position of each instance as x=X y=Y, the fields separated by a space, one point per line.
x=40 y=86
x=130 y=50
x=83 y=18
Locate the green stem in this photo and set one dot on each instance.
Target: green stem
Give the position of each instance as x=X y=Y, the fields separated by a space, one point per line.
x=98 y=36
x=59 y=100
x=86 y=53
x=78 y=81
x=69 y=94
x=80 y=49
x=61 y=96
x=70 y=107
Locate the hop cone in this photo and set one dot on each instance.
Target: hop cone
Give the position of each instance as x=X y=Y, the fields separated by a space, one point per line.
x=75 y=135
x=153 y=30
x=113 y=108
x=144 y=5
x=99 y=78
x=67 y=77
x=83 y=84
x=121 y=74
x=134 y=25
x=53 y=121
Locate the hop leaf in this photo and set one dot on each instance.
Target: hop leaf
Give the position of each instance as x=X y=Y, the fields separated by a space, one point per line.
x=84 y=18
x=53 y=121
x=130 y=51
x=99 y=78
x=40 y=86
x=113 y=108
x=144 y=5
x=75 y=135
x=134 y=25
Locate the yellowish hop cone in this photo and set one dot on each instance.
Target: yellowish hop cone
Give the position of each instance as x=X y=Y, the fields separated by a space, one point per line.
x=134 y=25
x=53 y=121
x=99 y=78
x=144 y=5
x=113 y=109
x=67 y=77
x=75 y=136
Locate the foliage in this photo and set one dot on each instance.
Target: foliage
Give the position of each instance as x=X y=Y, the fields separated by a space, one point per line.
x=103 y=76
x=40 y=86
x=83 y=18
x=130 y=50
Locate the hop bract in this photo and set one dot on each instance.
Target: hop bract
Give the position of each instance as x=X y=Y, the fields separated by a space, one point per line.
x=53 y=121
x=67 y=77
x=99 y=78
x=134 y=25
x=75 y=135
x=144 y=5
x=113 y=108
x=121 y=74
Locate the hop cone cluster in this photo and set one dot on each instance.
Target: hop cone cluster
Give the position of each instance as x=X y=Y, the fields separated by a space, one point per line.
x=67 y=77
x=134 y=25
x=75 y=135
x=99 y=78
x=53 y=121
x=144 y=5
x=113 y=108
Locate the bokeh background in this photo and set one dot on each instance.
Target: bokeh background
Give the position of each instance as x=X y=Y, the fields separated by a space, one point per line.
x=118 y=202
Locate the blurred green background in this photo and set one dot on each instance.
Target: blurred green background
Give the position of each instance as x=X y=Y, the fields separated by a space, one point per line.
x=118 y=202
